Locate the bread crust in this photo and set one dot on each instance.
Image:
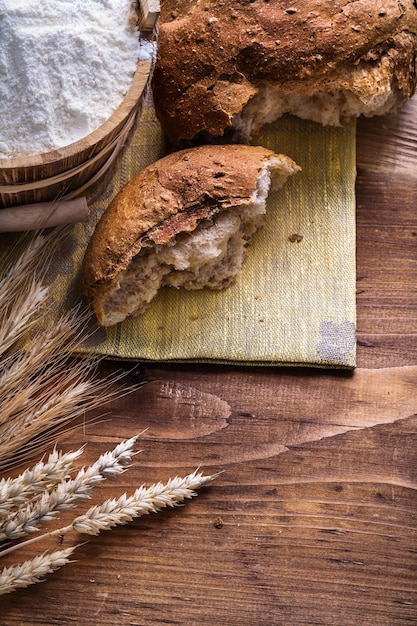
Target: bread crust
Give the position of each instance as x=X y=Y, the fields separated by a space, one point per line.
x=213 y=56
x=168 y=197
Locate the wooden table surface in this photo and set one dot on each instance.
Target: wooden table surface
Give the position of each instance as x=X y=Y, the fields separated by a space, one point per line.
x=314 y=518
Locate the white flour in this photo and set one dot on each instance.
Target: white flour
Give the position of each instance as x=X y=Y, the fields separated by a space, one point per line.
x=65 y=66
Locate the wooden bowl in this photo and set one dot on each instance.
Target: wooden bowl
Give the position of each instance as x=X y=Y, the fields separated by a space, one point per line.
x=67 y=172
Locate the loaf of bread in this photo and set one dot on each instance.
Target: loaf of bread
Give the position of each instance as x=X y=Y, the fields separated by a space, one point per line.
x=226 y=69
x=184 y=221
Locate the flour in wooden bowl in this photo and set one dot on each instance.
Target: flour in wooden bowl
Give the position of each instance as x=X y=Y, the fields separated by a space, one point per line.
x=65 y=67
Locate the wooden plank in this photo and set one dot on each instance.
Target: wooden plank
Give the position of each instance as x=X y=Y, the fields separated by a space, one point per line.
x=313 y=517
x=386 y=281
x=149 y=13
x=388 y=146
x=313 y=520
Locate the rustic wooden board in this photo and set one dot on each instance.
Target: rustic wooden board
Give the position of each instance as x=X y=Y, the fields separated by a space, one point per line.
x=387 y=239
x=313 y=519
x=389 y=145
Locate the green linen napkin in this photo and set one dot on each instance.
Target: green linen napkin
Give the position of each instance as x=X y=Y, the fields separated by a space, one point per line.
x=294 y=301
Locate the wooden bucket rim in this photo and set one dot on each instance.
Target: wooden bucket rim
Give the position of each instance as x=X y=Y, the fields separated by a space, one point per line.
x=129 y=102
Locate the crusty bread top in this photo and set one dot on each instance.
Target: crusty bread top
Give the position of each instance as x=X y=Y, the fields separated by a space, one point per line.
x=171 y=196
x=213 y=55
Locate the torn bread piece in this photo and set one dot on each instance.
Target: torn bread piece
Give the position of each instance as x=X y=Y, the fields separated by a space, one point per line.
x=239 y=67
x=184 y=221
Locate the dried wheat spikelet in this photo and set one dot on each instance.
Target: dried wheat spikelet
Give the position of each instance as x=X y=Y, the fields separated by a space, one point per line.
x=122 y=510
x=32 y=571
x=19 y=491
x=112 y=512
x=144 y=500
x=42 y=387
x=27 y=519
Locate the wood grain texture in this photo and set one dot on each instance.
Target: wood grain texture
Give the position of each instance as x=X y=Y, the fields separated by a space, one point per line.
x=388 y=145
x=313 y=519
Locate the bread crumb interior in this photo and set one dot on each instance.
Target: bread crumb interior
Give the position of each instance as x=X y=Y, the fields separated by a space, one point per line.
x=370 y=93
x=210 y=256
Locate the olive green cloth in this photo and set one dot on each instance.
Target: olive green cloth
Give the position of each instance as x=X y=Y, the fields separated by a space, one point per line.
x=294 y=301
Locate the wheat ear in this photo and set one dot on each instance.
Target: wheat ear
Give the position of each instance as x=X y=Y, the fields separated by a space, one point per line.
x=124 y=509
x=42 y=387
x=32 y=571
x=19 y=316
x=143 y=501
x=18 y=491
x=66 y=493
x=47 y=347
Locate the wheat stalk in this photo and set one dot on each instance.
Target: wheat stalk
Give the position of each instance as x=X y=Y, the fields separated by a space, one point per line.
x=32 y=571
x=124 y=509
x=143 y=501
x=27 y=519
x=21 y=288
x=42 y=387
x=45 y=506
x=18 y=491
x=49 y=346
x=29 y=418
x=103 y=517
x=19 y=316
